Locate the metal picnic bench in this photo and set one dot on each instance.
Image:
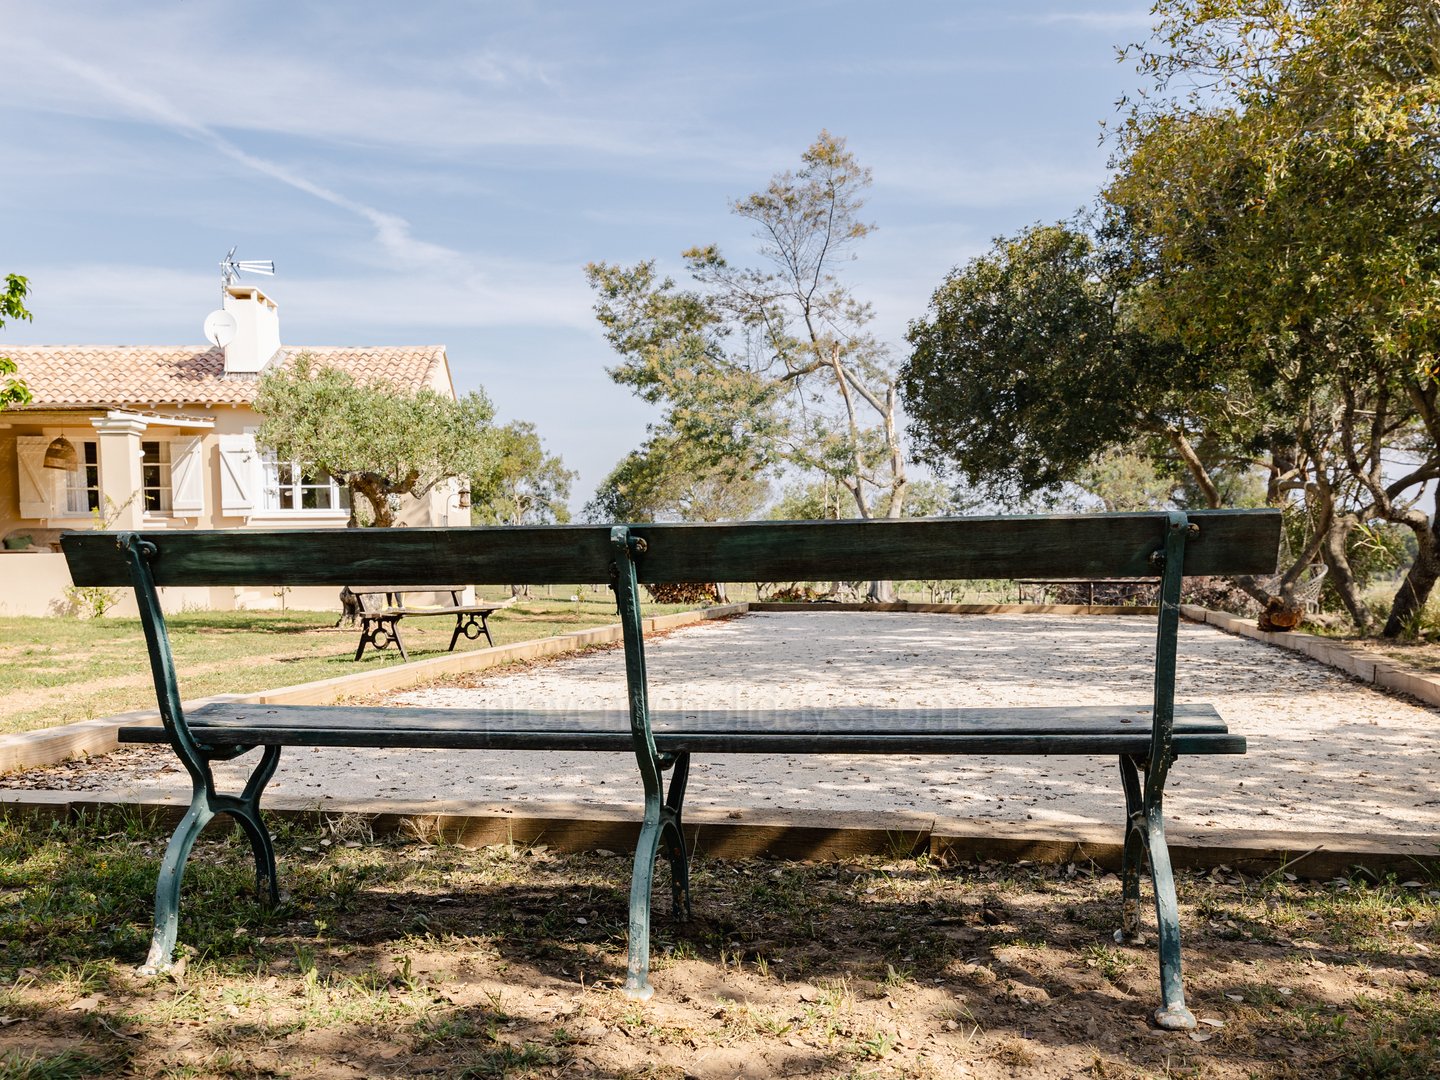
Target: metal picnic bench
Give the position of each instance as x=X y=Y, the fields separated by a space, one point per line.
x=1145 y=736
x=380 y=620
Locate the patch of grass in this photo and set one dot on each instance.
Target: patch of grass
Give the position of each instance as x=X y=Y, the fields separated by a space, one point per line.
x=1392 y=1037
x=743 y=1018
x=61 y=670
x=66 y=1065
x=506 y=1060
x=1111 y=963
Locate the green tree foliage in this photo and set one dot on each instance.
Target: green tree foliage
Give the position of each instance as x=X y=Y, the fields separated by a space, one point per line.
x=381 y=441
x=526 y=487
x=1280 y=196
x=825 y=500
x=1024 y=372
x=770 y=364
x=1125 y=480
x=819 y=500
x=670 y=479
x=13 y=391
x=1262 y=285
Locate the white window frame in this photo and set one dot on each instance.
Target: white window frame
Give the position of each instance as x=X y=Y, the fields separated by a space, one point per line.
x=163 y=467
x=77 y=488
x=273 y=488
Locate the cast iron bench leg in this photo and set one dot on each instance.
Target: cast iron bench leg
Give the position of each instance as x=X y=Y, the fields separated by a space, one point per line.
x=395 y=637
x=661 y=825
x=205 y=803
x=1145 y=837
x=1134 y=853
x=472 y=626
x=167 y=886
x=379 y=632
x=672 y=833
x=1173 y=1014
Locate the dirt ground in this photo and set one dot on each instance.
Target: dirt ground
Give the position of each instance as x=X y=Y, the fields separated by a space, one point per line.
x=402 y=959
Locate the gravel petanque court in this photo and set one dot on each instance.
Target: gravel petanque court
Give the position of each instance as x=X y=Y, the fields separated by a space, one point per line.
x=1327 y=753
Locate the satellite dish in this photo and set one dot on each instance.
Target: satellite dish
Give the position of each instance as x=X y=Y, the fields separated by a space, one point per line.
x=220 y=328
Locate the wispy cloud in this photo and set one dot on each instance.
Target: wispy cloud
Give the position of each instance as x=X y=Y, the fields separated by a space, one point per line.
x=373 y=96
x=577 y=105
x=1133 y=19
x=505 y=69
x=391 y=231
x=389 y=306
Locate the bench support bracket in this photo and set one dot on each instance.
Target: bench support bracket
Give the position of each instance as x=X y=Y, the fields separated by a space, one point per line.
x=379 y=631
x=205 y=801
x=472 y=625
x=662 y=826
x=1144 y=802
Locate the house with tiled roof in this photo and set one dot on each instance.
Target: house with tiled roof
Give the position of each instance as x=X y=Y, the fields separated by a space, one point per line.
x=162 y=437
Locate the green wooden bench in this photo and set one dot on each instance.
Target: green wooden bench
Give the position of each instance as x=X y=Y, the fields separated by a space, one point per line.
x=1146 y=736
x=380 y=618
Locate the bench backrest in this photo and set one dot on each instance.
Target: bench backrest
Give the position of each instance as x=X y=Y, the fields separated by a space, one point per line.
x=374 y=599
x=1076 y=545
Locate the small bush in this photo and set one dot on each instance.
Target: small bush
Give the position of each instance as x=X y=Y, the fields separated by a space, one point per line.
x=683 y=592
x=1218 y=594
x=89 y=601
x=796 y=593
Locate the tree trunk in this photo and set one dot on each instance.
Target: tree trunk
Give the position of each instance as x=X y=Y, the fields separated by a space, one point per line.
x=377 y=497
x=1419 y=580
x=881 y=592
x=1196 y=466
x=1342 y=578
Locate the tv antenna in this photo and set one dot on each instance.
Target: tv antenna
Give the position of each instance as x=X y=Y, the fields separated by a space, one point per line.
x=231 y=269
x=220 y=326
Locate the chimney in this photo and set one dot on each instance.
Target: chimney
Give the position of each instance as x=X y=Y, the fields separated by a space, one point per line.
x=257 y=330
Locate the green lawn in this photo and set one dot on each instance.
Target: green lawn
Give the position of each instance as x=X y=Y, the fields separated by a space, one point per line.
x=59 y=670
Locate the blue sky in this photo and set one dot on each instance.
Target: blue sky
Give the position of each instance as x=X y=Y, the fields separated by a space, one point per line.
x=441 y=172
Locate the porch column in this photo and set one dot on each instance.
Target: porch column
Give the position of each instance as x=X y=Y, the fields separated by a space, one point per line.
x=122 y=506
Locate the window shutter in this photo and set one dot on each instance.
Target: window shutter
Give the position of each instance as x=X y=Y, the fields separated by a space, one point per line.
x=239 y=474
x=37 y=483
x=187 y=476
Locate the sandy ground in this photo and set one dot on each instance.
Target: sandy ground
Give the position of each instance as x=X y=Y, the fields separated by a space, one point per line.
x=1326 y=753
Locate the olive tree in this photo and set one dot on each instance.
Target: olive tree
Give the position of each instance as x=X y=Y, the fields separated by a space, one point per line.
x=381 y=441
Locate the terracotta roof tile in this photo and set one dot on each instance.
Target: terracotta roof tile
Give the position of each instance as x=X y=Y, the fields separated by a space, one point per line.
x=115 y=375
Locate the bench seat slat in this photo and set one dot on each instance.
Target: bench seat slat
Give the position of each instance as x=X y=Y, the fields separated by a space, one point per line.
x=1103 y=730
x=463 y=609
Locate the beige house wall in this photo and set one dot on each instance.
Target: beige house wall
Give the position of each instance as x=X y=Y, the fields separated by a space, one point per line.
x=34 y=583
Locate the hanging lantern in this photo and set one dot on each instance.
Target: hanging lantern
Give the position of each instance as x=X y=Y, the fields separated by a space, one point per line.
x=61 y=454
